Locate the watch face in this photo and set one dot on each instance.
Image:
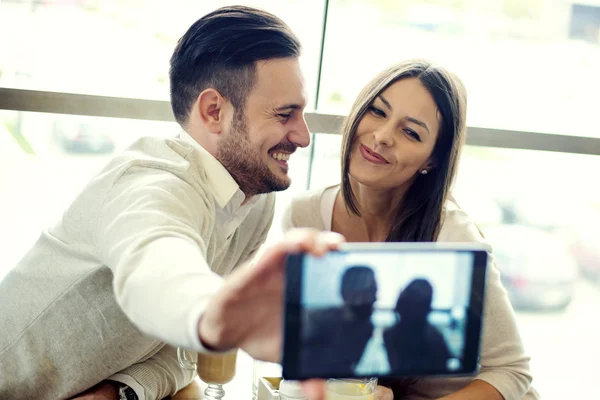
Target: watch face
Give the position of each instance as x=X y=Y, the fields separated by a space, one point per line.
x=127 y=393
x=130 y=394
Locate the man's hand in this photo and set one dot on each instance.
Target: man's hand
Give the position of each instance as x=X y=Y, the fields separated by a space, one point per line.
x=102 y=391
x=247 y=311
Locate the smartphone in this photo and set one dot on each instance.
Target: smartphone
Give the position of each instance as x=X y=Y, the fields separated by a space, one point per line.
x=384 y=310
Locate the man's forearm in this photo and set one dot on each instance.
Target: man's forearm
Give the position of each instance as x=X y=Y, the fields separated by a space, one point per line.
x=166 y=303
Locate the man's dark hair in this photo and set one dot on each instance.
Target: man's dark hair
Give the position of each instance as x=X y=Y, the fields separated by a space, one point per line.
x=358 y=278
x=220 y=51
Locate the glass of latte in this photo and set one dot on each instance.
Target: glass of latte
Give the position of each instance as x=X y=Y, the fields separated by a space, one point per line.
x=215 y=369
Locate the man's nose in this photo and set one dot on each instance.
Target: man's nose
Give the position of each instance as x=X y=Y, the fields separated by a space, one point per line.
x=300 y=135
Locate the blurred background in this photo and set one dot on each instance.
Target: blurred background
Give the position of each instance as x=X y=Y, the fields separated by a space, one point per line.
x=529 y=175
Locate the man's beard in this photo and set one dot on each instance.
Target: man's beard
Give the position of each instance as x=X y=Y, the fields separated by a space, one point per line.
x=244 y=163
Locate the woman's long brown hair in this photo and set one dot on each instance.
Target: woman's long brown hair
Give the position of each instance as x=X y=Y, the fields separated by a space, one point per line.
x=418 y=218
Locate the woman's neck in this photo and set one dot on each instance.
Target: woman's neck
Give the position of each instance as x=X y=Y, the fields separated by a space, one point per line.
x=377 y=207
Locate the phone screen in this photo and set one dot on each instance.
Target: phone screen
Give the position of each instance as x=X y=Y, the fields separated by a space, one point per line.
x=386 y=311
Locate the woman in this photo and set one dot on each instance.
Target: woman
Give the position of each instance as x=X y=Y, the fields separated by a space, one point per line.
x=400 y=151
x=413 y=343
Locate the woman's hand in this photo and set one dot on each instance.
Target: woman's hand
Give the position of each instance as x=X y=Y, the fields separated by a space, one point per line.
x=383 y=393
x=475 y=390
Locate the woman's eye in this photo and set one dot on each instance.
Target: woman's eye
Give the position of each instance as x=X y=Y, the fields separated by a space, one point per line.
x=413 y=134
x=377 y=111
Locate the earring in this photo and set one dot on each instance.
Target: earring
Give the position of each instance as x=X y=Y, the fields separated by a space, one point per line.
x=423 y=172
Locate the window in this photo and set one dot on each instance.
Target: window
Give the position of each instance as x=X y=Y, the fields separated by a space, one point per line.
x=120 y=47
x=585 y=23
x=521 y=67
x=46 y=159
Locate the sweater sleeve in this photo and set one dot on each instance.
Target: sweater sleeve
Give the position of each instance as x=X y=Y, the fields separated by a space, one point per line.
x=157 y=377
x=504 y=363
x=151 y=233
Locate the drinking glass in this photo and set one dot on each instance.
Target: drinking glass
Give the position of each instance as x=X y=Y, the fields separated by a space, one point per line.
x=351 y=389
x=214 y=369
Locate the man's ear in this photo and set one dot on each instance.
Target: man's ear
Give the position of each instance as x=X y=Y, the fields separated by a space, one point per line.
x=210 y=110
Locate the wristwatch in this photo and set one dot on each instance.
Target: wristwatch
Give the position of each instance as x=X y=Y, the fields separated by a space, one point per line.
x=124 y=391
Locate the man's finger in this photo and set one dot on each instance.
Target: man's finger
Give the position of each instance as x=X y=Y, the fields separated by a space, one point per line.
x=301 y=234
x=332 y=240
x=298 y=241
x=311 y=241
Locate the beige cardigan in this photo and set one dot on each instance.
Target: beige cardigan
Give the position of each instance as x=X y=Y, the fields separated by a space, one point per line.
x=503 y=361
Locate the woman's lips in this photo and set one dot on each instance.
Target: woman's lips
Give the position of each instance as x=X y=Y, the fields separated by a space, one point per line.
x=371 y=156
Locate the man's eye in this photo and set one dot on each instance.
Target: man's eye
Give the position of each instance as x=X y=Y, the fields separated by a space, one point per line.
x=284 y=116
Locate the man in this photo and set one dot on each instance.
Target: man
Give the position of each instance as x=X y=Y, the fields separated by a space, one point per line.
x=336 y=337
x=134 y=267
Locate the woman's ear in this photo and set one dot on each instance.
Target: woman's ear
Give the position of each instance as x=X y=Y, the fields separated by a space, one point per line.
x=427 y=167
x=209 y=109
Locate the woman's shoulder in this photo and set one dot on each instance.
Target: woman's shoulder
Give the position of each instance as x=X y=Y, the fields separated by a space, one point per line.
x=305 y=209
x=310 y=200
x=457 y=225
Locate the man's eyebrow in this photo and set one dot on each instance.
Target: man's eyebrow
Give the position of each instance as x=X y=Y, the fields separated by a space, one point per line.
x=410 y=119
x=292 y=106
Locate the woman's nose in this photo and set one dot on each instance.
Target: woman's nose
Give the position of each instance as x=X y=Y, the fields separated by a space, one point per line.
x=384 y=136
